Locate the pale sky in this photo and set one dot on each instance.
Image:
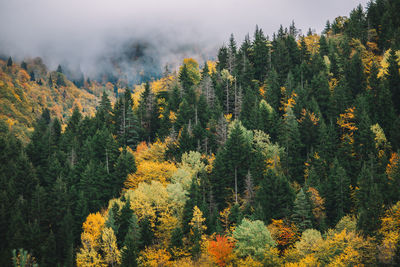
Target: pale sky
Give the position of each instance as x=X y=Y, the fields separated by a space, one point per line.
x=81 y=30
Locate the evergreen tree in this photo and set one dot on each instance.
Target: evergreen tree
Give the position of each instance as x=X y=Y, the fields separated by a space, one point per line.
x=125 y=164
x=59 y=69
x=125 y=221
x=393 y=79
x=9 y=62
x=302 y=212
x=232 y=164
x=260 y=55
x=24 y=65
x=273 y=95
x=290 y=140
x=146 y=232
x=369 y=198
x=275 y=197
x=355 y=75
x=130 y=250
x=337 y=194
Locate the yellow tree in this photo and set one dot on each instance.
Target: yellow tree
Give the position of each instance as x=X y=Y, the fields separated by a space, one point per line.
x=390 y=230
x=88 y=255
x=112 y=255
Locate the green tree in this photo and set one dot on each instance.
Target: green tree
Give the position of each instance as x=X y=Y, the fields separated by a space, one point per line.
x=251 y=238
x=290 y=140
x=302 y=212
x=275 y=197
x=393 y=79
x=369 y=198
x=130 y=249
x=337 y=194
x=9 y=62
x=231 y=164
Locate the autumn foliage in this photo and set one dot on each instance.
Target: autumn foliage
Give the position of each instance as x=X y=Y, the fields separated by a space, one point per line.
x=221 y=250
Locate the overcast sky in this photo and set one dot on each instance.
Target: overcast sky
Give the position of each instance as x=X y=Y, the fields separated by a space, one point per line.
x=81 y=30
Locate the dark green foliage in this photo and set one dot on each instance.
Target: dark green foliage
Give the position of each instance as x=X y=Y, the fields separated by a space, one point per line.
x=337 y=194
x=290 y=140
x=273 y=90
x=231 y=165
x=176 y=238
x=393 y=80
x=302 y=215
x=146 y=232
x=275 y=197
x=124 y=222
x=356 y=26
x=124 y=165
x=355 y=75
x=369 y=198
x=9 y=62
x=131 y=243
x=24 y=65
x=59 y=69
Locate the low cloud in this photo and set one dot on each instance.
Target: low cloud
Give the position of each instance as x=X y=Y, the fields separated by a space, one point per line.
x=91 y=34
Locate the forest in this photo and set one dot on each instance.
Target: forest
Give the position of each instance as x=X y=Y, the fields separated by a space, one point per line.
x=283 y=151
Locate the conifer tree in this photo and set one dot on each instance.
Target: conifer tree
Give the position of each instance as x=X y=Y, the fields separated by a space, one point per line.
x=290 y=140
x=337 y=194
x=355 y=75
x=369 y=198
x=275 y=197
x=232 y=164
x=9 y=62
x=129 y=252
x=393 y=79
x=302 y=216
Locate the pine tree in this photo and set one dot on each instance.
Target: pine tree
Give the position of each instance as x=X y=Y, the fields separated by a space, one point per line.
x=59 y=69
x=176 y=238
x=24 y=65
x=275 y=197
x=273 y=95
x=393 y=80
x=290 y=140
x=337 y=194
x=302 y=212
x=260 y=55
x=232 y=164
x=124 y=221
x=125 y=164
x=130 y=249
x=146 y=232
x=355 y=75
x=369 y=198
x=9 y=62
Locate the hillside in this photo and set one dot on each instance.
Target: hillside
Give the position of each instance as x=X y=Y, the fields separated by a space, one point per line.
x=27 y=88
x=282 y=152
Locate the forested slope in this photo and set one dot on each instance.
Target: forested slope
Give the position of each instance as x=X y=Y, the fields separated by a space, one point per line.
x=283 y=152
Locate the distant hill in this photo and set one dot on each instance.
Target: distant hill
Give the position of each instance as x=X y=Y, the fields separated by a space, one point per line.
x=26 y=88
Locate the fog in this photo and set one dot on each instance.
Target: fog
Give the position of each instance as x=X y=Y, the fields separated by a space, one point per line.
x=90 y=34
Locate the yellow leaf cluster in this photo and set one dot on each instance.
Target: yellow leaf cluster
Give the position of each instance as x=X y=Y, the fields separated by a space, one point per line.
x=291 y=101
x=197 y=221
x=91 y=242
x=385 y=64
x=347 y=124
x=154 y=257
x=390 y=230
x=148 y=171
x=312 y=43
x=212 y=67
x=305 y=114
x=393 y=165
